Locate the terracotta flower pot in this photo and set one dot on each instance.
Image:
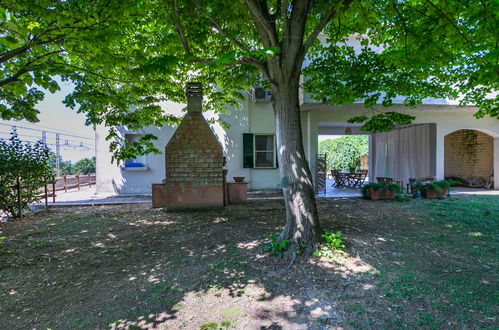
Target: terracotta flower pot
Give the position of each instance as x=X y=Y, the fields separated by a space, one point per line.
x=388 y=194
x=238 y=179
x=432 y=194
x=373 y=194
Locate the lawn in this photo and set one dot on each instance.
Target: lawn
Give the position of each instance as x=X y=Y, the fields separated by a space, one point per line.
x=429 y=264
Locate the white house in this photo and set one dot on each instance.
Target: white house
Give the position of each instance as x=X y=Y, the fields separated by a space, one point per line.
x=435 y=145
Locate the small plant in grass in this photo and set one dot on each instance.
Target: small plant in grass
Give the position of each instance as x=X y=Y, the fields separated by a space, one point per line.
x=209 y=326
x=276 y=247
x=333 y=242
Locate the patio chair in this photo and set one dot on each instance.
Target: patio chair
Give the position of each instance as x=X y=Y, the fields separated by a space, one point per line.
x=359 y=178
x=339 y=181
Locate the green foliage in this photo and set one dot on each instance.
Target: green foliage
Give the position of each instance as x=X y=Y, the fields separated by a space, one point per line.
x=36 y=41
x=382 y=122
x=345 y=152
x=380 y=186
x=129 y=56
x=455 y=182
x=333 y=242
x=426 y=47
x=276 y=247
x=84 y=166
x=23 y=165
x=66 y=167
x=436 y=186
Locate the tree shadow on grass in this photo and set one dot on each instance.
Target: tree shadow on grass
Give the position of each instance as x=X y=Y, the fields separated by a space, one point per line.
x=134 y=267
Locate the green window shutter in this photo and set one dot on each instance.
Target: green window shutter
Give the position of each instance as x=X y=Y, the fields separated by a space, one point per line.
x=276 y=155
x=248 y=150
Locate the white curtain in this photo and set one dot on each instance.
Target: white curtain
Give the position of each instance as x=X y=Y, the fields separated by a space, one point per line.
x=403 y=153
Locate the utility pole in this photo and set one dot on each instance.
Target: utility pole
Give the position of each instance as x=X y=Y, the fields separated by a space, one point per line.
x=44 y=137
x=57 y=154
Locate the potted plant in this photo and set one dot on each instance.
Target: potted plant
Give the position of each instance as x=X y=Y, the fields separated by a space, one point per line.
x=371 y=191
x=238 y=179
x=437 y=189
x=389 y=190
x=382 y=190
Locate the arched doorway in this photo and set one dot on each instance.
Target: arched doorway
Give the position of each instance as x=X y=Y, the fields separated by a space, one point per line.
x=469 y=156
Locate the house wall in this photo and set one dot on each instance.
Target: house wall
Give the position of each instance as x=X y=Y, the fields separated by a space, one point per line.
x=248 y=117
x=252 y=117
x=468 y=154
x=114 y=178
x=448 y=118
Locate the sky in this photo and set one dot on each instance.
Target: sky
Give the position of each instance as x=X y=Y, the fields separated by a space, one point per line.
x=76 y=139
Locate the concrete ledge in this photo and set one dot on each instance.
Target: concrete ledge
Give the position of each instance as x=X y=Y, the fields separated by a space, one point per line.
x=135 y=169
x=173 y=197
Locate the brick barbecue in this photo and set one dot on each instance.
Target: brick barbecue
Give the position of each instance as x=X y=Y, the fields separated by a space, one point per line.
x=194 y=161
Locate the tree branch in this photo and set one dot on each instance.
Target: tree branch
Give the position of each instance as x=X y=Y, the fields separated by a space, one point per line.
x=26 y=68
x=326 y=18
x=5 y=56
x=261 y=18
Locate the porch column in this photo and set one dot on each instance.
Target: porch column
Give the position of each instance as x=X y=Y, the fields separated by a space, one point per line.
x=371 y=157
x=496 y=163
x=311 y=137
x=439 y=153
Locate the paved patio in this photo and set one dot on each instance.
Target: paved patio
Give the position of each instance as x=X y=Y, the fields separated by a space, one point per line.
x=87 y=196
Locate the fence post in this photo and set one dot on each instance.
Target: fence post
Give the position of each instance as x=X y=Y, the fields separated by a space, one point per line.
x=19 y=203
x=53 y=192
x=65 y=184
x=46 y=195
x=78 y=181
x=89 y=181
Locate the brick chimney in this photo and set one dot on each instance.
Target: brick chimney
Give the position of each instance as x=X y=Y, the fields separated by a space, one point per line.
x=194 y=161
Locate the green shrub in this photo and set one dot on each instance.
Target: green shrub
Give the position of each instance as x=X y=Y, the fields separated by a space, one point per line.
x=22 y=165
x=333 y=242
x=436 y=186
x=276 y=247
x=380 y=186
x=345 y=152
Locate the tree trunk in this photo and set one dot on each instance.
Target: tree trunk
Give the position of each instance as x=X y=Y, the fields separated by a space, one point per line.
x=302 y=227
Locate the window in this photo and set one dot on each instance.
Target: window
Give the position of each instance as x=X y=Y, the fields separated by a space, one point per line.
x=264 y=151
x=259 y=151
x=138 y=161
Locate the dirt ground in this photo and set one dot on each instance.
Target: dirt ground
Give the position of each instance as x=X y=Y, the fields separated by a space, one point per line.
x=418 y=264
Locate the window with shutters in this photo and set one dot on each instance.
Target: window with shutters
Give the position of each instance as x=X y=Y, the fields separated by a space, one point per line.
x=259 y=151
x=264 y=151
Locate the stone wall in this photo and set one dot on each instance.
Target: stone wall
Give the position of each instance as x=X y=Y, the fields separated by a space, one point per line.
x=194 y=157
x=468 y=154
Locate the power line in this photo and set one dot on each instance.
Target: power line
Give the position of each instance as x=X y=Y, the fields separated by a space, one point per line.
x=54 y=132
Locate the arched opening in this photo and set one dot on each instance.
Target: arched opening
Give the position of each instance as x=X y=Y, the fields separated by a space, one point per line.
x=469 y=157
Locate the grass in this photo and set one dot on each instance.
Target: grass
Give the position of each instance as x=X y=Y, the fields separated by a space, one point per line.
x=418 y=264
x=451 y=267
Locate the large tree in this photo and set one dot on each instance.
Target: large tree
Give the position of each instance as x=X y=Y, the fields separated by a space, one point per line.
x=425 y=48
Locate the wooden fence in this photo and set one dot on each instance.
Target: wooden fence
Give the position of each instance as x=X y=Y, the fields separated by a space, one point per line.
x=61 y=183
x=74 y=181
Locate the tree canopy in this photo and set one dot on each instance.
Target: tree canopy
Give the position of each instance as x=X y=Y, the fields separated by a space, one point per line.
x=133 y=54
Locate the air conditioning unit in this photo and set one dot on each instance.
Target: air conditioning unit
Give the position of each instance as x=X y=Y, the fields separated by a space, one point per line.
x=260 y=95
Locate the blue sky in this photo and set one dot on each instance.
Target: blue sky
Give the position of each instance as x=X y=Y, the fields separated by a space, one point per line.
x=54 y=116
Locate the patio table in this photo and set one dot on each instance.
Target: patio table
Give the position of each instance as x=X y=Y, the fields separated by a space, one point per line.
x=349 y=177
